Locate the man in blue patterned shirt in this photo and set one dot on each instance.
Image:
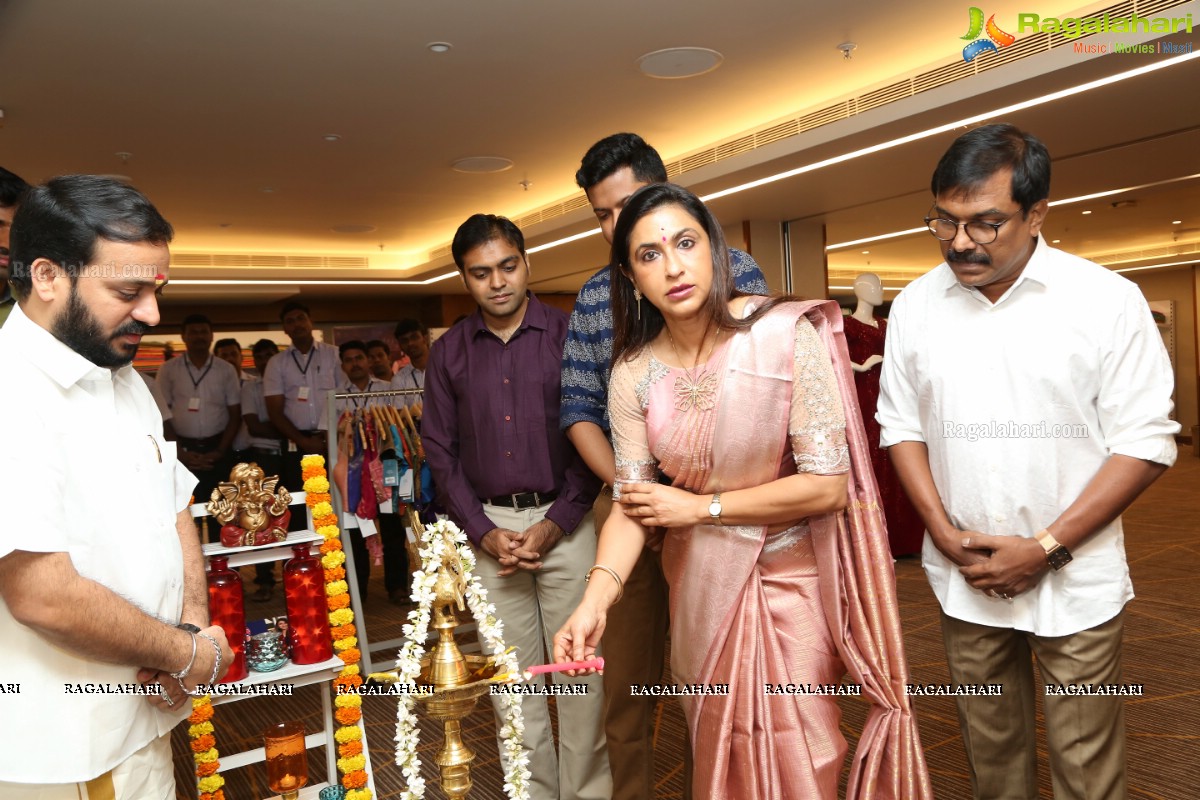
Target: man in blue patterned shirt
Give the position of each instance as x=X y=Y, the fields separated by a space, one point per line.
x=633 y=645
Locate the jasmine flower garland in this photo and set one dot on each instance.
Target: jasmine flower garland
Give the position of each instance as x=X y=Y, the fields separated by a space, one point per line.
x=434 y=544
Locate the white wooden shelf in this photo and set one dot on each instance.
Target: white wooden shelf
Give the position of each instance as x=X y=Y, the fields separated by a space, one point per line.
x=260 y=554
x=294 y=674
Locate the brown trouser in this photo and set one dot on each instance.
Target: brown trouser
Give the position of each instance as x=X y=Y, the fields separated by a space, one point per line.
x=1085 y=734
x=634 y=647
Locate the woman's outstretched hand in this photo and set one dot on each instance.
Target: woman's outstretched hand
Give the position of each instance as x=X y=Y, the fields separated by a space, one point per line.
x=579 y=637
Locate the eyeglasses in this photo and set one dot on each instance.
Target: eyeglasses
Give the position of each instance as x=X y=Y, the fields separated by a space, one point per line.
x=980 y=232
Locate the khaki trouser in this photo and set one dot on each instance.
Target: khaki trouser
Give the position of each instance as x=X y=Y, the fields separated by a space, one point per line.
x=533 y=606
x=1085 y=734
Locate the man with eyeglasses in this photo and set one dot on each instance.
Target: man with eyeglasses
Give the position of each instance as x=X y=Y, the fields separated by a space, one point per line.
x=1026 y=396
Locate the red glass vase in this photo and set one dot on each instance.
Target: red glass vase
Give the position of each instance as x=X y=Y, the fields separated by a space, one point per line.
x=308 y=617
x=226 y=605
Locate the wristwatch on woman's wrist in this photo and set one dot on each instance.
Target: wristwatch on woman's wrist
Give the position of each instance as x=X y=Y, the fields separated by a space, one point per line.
x=714 y=509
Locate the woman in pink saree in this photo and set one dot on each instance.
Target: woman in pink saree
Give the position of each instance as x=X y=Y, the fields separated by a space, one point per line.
x=736 y=428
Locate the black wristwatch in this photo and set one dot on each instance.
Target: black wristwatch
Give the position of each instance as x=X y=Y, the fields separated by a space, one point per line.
x=189 y=627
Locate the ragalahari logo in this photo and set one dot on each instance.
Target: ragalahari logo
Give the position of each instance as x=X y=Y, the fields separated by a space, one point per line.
x=995 y=36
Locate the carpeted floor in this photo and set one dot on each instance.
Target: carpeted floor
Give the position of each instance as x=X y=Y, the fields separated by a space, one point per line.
x=1162 y=639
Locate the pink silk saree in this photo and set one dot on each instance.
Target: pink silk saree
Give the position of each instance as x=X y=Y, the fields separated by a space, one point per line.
x=803 y=606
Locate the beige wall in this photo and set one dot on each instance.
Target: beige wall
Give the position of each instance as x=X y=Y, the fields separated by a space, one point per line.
x=1178 y=285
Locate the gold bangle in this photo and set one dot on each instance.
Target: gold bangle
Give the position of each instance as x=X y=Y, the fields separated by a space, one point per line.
x=620 y=583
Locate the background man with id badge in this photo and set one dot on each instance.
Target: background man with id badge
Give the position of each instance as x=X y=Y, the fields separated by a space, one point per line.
x=295 y=389
x=205 y=398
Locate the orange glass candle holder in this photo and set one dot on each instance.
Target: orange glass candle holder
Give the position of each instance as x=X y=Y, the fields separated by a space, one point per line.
x=287 y=758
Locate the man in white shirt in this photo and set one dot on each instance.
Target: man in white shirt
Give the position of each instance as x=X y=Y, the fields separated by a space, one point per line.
x=104 y=567
x=264 y=444
x=356 y=364
x=415 y=341
x=379 y=357
x=230 y=351
x=296 y=387
x=1025 y=400
x=205 y=399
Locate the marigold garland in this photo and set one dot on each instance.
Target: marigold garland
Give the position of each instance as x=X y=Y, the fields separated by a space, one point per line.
x=204 y=750
x=352 y=764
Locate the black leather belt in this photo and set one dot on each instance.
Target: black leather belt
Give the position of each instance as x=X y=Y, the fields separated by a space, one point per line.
x=205 y=445
x=522 y=499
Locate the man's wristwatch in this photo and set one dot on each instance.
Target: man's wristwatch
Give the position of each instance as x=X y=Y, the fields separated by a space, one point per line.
x=714 y=509
x=1056 y=555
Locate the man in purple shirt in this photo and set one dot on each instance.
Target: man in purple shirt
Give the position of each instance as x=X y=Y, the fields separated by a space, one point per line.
x=512 y=481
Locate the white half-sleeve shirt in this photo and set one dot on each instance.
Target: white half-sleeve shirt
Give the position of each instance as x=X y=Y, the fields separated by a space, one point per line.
x=304 y=382
x=1019 y=404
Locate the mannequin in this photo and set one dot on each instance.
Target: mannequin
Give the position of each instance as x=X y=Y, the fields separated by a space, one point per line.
x=869 y=291
x=865 y=335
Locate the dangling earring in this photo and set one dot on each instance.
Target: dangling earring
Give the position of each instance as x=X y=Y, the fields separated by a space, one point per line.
x=637 y=294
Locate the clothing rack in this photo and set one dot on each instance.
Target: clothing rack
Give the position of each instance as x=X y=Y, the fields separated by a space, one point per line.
x=356 y=602
x=336 y=395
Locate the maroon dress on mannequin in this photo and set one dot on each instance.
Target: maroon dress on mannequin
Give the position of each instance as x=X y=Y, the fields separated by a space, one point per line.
x=906 y=532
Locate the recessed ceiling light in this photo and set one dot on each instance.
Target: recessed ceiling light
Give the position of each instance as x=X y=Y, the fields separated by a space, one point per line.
x=1085 y=213
x=439 y=47
x=482 y=164
x=866 y=252
x=267 y=190
x=1176 y=222
x=680 y=62
x=1055 y=241
x=352 y=228
x=331 y=137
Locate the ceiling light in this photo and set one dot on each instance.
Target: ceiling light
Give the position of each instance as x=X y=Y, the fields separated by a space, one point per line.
x=1158 y=266
x=565 y=240
x=439 y=47
x=482 y=164
x=847 y=48
x=267 y=190
x=831 y=286
x=1055 y=241
x=680 y=62
x=331 y=137
x=1085 y=213
x=1063 y=202
x=866 y=252
x=257 y=282
x=1005 y=111
x=1176 y=222
x=950 y=126
x=880 y=237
